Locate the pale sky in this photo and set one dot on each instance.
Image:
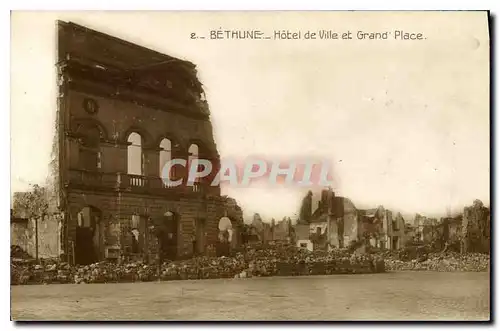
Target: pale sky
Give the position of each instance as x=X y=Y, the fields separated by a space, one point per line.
x=405 y=123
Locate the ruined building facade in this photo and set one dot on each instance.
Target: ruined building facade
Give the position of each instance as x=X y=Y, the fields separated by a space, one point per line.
x=476 y=228
x=334 y=223
x=123 y=112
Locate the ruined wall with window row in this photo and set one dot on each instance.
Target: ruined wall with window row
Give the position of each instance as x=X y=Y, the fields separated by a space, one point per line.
x=115 y=121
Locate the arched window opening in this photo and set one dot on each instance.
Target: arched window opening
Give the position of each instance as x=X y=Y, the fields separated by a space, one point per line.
x=193 y=152
x=134 y=154
x=165 y=154
x=225 y=236
x=225 y=229
x=135 y=159
x=193 y=155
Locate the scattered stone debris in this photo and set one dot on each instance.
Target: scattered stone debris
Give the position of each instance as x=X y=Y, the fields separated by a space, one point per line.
x=448 y=261
x=250 y=262
x=285 y=260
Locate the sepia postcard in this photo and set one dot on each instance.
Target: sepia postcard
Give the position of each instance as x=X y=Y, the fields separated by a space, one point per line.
x=250 y=166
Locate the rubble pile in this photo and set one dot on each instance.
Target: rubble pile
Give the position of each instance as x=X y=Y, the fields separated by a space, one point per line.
x=249 y=262
x=291 y=261
x=111 y=273
x=204 y=268
x=449 y=261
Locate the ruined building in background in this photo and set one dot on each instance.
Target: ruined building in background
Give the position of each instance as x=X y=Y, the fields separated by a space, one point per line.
x=430 y=230
x=476 y=234
x=467 y=232
x=123 y=112
x=281 y=231
x=410 y=235
x=396 y=231
x=343 y=226
x=234 y=215
x=382 y=229
x=312 y=230
x=418 y=223
x=264 y=232
x=452 y=228
x=373 y=224
x=306 y=208
x=259 y=230
x=334 y=223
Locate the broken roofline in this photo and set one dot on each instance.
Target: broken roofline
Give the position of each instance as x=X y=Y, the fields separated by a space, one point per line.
x=165 y=58
x=122 y=57
x=93 y=62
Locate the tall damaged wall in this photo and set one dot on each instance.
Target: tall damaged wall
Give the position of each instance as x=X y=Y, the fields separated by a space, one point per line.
x=105 y=94
x=476 y=228
x=20 y=235
x=35 y=218
x=351 y=230
x=47 y=228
